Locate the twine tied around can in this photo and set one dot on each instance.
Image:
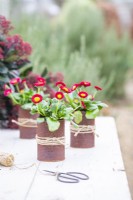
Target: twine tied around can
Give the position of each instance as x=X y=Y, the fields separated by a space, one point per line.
x=25 y=122
x=50 y=140
x=83 y=129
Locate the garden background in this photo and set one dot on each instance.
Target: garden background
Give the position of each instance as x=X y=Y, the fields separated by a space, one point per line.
x=84 y=40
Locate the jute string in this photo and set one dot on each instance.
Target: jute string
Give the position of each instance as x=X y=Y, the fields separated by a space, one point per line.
x=83 y=129
x=25 y=122
x=50 y=140
x=7 y=160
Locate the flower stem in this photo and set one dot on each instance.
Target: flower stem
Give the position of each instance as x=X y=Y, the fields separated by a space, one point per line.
x=17 y=88
x=13 y=99
x=25 y=85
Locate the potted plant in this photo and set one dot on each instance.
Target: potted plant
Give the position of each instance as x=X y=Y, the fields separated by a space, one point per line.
x=86 y=109
x=50 y=130
x=20 y=94
x=14 y=53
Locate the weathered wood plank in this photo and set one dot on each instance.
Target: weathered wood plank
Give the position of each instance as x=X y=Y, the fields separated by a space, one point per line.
x=103 y=164
x=15 y=181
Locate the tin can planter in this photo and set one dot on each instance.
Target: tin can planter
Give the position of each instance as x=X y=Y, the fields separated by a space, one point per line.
x=27 y=124
x=84 y=136
x=50 y=145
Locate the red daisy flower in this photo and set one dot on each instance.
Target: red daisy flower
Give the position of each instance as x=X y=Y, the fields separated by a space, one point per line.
x=7 y=92
x=59 y=95
x=98 y=88
x=85 y=84
x=83 y=94
x=23 y=80
x=39 y=83
x=74 y=87
x=40 y=79
x=65 y=89
x=36 y=98
x=15 y=81
x=60 y=83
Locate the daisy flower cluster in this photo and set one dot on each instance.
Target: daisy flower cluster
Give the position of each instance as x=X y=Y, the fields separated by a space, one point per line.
x=68 y=104
x=21 y=94
x=81 y=97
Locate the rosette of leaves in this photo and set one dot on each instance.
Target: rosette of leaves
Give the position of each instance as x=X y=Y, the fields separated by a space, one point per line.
x=92 y=110
x=82 y=100
x=52 y=111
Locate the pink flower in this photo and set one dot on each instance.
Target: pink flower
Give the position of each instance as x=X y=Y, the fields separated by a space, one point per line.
x=83 y=94
x=23 y=80
x=7 y=92
x=65 y=89
x=36 y=98
x=5 y=25
x=74 y=87
x=41 y=79
x=27 y=49
x=59 y=95
x=15 y=81
x=23 y=49
x=85 y=84
x=60 y=83
x=37 y=84
x=98 y=88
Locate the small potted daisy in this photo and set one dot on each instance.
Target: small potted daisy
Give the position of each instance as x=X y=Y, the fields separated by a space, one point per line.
x=21 y=94
x=51 y=126
x=82 y=98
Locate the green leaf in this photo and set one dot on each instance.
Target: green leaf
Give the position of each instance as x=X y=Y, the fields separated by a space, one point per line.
x=92 y=107
x=75 y=125
x=102 y=105
x=92 y=114
x=77 y=116
x=3 y=69
x=52 y=124
x=44 y=73
x=27 y=106
x=40 y=119
x=25 y=71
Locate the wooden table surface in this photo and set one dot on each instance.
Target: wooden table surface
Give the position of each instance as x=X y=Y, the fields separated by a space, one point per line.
x=104 y=165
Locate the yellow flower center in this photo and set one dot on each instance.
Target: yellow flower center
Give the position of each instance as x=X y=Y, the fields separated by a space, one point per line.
x=83 y=95
x=74 y=87
x=65 y=89
x=21 y=91
x=59 y=96
x=36 y=99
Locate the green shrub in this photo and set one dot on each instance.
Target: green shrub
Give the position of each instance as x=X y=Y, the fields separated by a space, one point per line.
x=83 y=19
x=78 y=45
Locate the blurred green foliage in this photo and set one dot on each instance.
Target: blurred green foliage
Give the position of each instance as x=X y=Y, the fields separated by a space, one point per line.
x=78 y=45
